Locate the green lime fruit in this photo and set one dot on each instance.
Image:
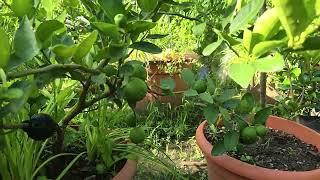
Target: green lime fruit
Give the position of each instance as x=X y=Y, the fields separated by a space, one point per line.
x=261 y=130
x=248 y=135
x=137 y=135
x=135 y=90
x=120 y=20
x=200 y=86
x=101 y=168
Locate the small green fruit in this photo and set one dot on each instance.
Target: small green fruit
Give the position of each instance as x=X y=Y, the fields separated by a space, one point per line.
x=261 y=130
x=248 y=135
x=200 y=86
x=135 y=90
x=101 y=168
x=137 y=135
x=120 y=20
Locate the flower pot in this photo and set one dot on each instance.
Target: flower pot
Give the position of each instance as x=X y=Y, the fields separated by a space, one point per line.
x=156 y=74
x=127 y=172
x=227 y=168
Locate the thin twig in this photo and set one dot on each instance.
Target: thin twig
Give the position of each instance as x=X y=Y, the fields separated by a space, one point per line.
x=51 y=67
x=180 y=15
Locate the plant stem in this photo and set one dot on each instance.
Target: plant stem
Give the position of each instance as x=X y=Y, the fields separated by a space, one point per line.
x=180 y=15
x=51 y=67
x=263 y=76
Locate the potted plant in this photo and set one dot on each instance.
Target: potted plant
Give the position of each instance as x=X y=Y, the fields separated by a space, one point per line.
x=260 y=49
x=74 y=72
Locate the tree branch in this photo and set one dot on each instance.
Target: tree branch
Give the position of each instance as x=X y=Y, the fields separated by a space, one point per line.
x=52 y=68
x=180 y=15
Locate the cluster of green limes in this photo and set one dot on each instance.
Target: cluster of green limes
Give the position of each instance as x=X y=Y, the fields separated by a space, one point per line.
x=250 y=134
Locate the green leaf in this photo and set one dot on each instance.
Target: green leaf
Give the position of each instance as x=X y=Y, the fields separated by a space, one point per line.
x=190 y=93
x=199 y=29
x=241 y=73
x=296 y=16
x=247 y=40
x=25 y=42
x=226 y=95
x=146 y=47
x=112 y=8
x=265 y=47
x=64 y=51
x=167 y=83
x=5 y=49
x=261 y=116
x=206 y=97
x=218 y=148
x=272 y=63
x=99 y=79
x=246 y=104
x=147 y=5
x=225 y=114
x=245 y=15
x=311 y=43
x=188 y=76
x=271 y=19
x=156 y=36
x=47 y=28
x=231 y=140
x=108 y=29
x=211 y=86
x=211 y=113
x=140 y=26
x=211 y=48
x=22 y=7
x=84 y=47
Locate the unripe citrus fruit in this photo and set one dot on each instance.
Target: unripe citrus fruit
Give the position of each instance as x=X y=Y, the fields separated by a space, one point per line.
x=248 y=135
x=135 y=90
x=139 y=71
x=261 y=130
x=200 y=86
x=120 y=20
x=137 y=135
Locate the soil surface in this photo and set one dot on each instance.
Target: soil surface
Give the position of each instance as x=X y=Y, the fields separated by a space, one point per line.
x=277 y=150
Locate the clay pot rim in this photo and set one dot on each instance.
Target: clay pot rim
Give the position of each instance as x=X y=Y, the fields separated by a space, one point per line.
x=128 y=171
x=247 y=170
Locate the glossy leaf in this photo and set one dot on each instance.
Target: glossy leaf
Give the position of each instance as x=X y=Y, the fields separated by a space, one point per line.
x=47 y=28
x=107 y=29
x=262 y=115
x=246 y=104
x=265 y=47
x=167 y=83
x=5 y=48
x=188 y=76
x=206 y=97
x=272 y=63
x=140 y=26
x=268 y=24
x=64 y=51
x=211 y=48
x=22 y=7
x=218 y=149
x=112 y=8
x=147 y=5
x=211 y=113
x=84 y=47
x=190 y=93
x=25 y=43
x=231 y=140
x=245 y=15
x=146 y=47
x=241 y=73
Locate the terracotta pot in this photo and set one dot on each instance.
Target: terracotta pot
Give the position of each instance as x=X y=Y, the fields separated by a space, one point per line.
x=127 y=172
x=227 y=168
x=154 y=82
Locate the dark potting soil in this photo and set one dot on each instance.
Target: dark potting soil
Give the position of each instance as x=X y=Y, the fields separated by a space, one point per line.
x=277 y=150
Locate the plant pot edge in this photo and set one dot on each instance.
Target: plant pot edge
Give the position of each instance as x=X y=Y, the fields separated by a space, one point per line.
x=248 y=171
x=128 y=171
